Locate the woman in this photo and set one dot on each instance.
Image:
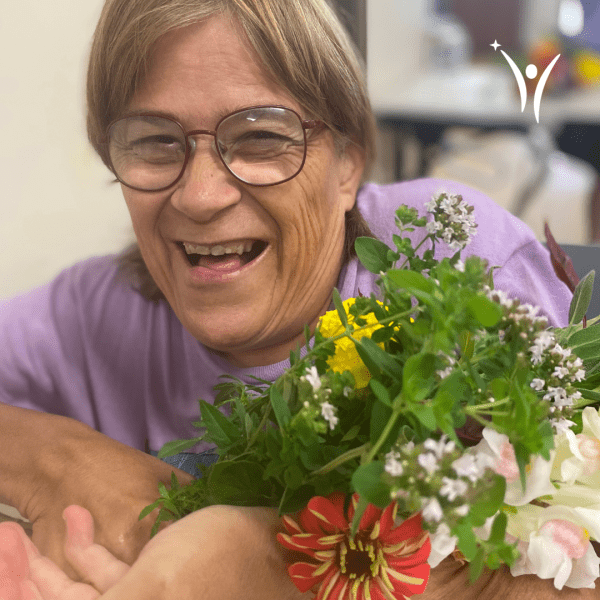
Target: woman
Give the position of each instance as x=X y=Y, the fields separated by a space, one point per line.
x=241 y=243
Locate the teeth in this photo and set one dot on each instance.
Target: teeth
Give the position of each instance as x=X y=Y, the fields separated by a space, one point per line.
x=218 y=249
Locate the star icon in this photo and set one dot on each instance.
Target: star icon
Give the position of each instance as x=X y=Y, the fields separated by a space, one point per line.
x=495 y=45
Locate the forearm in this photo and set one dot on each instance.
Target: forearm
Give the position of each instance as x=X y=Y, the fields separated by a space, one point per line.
x=30 y=441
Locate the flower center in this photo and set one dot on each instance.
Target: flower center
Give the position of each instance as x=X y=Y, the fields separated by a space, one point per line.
x=358 y=558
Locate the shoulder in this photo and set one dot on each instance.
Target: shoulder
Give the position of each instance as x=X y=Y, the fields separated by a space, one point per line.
x=499 y=234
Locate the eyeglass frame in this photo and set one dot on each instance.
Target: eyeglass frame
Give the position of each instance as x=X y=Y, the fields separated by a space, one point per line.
x=305 y=123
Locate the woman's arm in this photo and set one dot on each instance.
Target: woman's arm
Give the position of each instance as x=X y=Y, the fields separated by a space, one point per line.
x=220 y=553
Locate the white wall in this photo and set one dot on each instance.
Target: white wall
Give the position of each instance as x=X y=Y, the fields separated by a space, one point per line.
x=57 y=205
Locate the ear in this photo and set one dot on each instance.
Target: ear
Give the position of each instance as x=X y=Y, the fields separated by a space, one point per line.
x=350 y=174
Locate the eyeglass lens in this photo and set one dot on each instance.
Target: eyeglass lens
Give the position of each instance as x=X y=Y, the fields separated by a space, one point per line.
x=260 y=146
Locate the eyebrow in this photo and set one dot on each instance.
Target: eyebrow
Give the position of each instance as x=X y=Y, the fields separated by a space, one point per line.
x=223 y=112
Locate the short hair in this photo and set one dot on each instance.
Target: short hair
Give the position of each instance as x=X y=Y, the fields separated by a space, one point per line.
x=300 y=42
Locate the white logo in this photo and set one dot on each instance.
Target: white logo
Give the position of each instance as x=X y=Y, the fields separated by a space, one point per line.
x=531 y=72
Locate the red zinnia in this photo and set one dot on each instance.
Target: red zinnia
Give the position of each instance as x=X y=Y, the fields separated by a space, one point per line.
x=381 y=562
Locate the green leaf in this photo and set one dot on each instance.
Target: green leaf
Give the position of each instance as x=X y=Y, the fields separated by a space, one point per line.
x=377 y=360
x=582 y=296
x=366 y=480
x=467 y=542
x=488 y=502
x=339 y=306
x=177 y=446
x=410 y=280
x=372 y=254
x=148 y=509
x=221 y=431
x=426 y=415
x=238 y=483
x=417 y=376
x=498 y=528
x=476 y=565
x=280 y=407
x=487 y=312
x=351 y=433
x=380 y=391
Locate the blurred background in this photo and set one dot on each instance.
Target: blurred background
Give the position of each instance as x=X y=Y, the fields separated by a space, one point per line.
x=448 y=105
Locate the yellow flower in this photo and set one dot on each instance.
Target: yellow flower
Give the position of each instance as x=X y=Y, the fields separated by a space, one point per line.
x=346 y=357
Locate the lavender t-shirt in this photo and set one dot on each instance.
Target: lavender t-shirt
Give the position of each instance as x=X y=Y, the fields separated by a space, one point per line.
x=88 y=346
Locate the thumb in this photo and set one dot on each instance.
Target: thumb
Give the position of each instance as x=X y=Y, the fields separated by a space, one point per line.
x=93 y=562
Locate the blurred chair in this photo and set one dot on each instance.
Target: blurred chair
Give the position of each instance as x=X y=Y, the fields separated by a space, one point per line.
x=527 y=176
x=586 y=259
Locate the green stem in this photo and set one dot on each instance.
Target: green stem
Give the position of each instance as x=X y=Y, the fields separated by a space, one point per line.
x=430 y=236
x=476 y=408
x=341 y=459
x=384 y=434
x=262 y=423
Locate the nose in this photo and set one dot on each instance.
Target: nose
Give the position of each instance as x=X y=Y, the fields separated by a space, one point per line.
x=207 y=188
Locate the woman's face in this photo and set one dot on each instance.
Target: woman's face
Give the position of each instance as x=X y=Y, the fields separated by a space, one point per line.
x=253 y=315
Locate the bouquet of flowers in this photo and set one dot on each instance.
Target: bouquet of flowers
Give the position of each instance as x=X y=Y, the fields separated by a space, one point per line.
x=439 y=417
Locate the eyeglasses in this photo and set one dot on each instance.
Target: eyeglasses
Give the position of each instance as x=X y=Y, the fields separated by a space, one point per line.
x=260 y=145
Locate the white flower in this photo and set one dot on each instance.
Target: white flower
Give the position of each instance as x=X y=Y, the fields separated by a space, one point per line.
x=579 y=375
x=432 y=511
x=560 y=372
x=328 y=413
x=502 y=456
x=431 y=205
x=578 y=457
x=462 y=511
x=433 y=227
x=537 y=384
x=555 y=544
x=312 y=376
x=393 y=466
x=471 y=465
x=440 y=447
x=453 y=488
x=429 y=462
x=442 y=545
x=562 y=425
x=460 y=266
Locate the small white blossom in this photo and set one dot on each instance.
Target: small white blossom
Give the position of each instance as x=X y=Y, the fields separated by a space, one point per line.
x=442 y=545
x=460 y=266
x=472 y=466
x=562 y=426
x=431 y=205
x=432 y=511
x=392 y=463
x=563 y=352
x=560 y=372
x=312 y=376
x=537 y=384
x=453 y=488
x=579 y=375
x=429 y=462
x=462 y=511
x=439 y=447
x=328 y=413
x=433 y=227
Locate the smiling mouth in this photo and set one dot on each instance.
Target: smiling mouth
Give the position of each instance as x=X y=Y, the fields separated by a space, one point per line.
x=211 y=257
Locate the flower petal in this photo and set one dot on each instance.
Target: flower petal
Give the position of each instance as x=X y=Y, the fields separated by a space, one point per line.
x=408 y=529
x=309 y=522
x=329 y=513
x=301 y=541
x=327 y=585
x=302 y=576
x=386 y=522
x=369 y=517
x=410 y=581
x=408 y=560
x=291 y=526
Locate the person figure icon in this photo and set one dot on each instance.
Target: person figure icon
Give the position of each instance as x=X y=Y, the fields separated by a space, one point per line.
x=531 y=72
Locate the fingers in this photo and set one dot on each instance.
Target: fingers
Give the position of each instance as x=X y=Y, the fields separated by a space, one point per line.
x=94 y=563
x=13 y=562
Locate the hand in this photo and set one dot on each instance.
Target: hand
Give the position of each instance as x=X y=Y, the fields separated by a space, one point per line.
x=111 y=480
x=218 y=553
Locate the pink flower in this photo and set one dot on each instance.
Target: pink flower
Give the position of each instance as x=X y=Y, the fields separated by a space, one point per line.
x=381 y=562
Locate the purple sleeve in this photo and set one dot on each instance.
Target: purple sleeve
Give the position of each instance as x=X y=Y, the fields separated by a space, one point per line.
x=49 y=361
